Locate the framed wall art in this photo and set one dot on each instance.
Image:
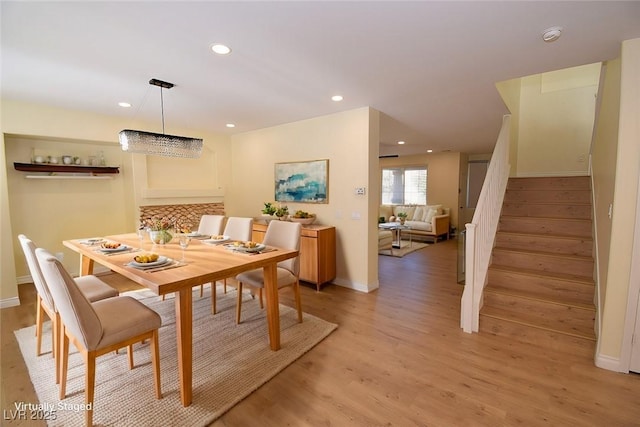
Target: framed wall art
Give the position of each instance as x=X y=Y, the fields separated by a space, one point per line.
x=303 y=182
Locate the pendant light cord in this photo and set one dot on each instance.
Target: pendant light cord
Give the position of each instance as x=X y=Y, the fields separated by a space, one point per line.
x=162 y=108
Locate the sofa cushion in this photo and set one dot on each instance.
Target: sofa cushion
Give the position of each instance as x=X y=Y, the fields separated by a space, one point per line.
x=409 y=210
x=419 y=225
x=418 y=214
x=430 y=211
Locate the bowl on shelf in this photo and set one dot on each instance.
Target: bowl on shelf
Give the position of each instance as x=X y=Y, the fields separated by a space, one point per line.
x=303 y=221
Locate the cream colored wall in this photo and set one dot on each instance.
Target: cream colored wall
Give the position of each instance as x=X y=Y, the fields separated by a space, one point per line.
x=624 y=204
x=442 y=179
x=604 y=150
x=510 y=91
x=49 y=211
x=343 y=138
x=556 y=121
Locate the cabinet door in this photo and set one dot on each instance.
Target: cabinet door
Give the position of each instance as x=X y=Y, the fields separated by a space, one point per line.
x=309 y=259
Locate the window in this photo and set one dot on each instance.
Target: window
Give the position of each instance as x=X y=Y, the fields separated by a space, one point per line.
x=404 y=186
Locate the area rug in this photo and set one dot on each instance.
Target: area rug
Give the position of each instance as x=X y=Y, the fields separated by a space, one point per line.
x=405 y=248
x=229 y=362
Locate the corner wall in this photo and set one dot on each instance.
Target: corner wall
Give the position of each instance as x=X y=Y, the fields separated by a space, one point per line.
x=349 y=140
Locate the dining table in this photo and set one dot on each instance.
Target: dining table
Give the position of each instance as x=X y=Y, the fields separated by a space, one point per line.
x=202 y=263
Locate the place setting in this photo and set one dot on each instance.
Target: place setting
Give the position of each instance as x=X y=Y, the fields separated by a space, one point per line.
x=114 y=248
x=152 y=262
x=250 y=248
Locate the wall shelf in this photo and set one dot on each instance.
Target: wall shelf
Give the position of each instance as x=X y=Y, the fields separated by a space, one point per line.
x=54 y=171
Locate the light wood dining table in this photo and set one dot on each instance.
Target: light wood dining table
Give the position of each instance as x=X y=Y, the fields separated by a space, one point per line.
x=203 y=264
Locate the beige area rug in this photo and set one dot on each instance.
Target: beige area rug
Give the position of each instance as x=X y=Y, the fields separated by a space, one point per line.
x=229 y=362
x=405 y=248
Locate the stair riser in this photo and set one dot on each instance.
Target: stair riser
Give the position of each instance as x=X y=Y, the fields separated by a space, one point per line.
x=547 y=210
x=555 y=196
x=556 y=245
x=561 y=227
x=565 y=183
x=562 y=318
x=566 y=345
x=544 y=287
x=538 y=262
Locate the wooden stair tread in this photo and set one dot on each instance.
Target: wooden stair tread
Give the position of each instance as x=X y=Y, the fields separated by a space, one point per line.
x=544 y=218
x=543 y=253
x=532 y=295
x=505 y=315
x=546 y=236
x=555 y=275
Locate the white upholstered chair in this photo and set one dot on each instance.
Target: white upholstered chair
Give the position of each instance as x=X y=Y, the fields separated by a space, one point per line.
x=236 y=228
x=211 y=225
x=93 y=289
x=281 y=234
x=97 y=328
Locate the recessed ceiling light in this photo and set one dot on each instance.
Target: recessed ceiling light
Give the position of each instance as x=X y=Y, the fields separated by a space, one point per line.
x=230 y=125
x=124 y=104
x=337 y=98
x=429 y=151
x=220 y=49
x=551 y=34
x=400 y=142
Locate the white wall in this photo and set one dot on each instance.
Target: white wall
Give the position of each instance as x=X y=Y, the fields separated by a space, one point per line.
x=349 y=140
x=49 y=211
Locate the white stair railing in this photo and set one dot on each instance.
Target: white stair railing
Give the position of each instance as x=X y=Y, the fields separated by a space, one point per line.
x=481 y=232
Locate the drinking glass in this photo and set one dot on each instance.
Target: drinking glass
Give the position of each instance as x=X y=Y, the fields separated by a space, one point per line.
x=141 y=232
x=184 y=240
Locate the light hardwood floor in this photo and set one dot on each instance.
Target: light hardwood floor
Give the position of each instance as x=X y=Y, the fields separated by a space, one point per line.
x=399 y=358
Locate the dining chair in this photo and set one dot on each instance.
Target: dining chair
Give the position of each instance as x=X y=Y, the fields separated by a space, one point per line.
x=97 y=328
x=210 y=225
x=92 y=287
x=281 y=234
x=236 y=228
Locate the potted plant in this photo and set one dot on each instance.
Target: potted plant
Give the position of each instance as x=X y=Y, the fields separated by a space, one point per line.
x=282 y=212
x=402 y=216
x=159 y=230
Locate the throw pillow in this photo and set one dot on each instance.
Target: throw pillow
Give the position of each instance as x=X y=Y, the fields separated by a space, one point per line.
x=438 y=211
x=418 y=214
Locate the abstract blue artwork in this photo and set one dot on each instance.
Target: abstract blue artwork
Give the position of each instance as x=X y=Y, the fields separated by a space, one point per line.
x=304 y=182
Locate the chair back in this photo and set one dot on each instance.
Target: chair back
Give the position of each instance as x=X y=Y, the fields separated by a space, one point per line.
x=211 y=225
x=238 y=228
x=76 y=312
x=286 y=235
x=29 y=249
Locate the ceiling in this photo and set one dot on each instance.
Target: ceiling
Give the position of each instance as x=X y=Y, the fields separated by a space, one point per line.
x=429 y=67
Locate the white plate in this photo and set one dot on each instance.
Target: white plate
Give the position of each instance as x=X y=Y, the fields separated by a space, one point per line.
x=215 y=241
x=196 y=234
x=161 y=261
x=94 y=241
x=243 y=249
x=118 y=249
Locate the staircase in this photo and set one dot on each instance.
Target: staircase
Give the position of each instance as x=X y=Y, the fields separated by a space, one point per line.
x=540 y=285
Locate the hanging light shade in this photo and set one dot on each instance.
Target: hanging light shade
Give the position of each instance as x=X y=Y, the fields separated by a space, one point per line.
x=160 y=144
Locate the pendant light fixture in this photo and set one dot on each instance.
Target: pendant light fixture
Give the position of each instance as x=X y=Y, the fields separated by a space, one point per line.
x=160 y=144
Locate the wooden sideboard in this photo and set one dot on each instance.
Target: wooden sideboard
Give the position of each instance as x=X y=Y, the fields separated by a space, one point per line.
x=317 y=251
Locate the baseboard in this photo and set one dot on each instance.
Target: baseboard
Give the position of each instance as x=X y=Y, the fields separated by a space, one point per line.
x=552 y=174
x=360 y=287
x=9 y=302
x=609 y=363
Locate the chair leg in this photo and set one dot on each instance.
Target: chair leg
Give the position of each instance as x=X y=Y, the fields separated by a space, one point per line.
x=55 y=332
x=261 y=302
x=39 y=320
x=201 y=290
x=64 y=359
x=90 y=382
x=239 y=303
x=214 y=308
x=296 y=293
x=224 y=285
x=155 y=361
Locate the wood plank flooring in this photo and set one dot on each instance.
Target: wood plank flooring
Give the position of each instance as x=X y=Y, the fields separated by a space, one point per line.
x=399 y=358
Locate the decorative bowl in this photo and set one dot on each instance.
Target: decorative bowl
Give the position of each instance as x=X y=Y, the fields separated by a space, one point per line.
x=303 y=221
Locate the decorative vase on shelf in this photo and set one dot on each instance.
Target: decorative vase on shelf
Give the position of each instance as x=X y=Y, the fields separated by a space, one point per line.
x=160 y=237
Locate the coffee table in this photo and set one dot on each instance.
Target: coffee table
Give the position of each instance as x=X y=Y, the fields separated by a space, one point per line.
x=396 y=228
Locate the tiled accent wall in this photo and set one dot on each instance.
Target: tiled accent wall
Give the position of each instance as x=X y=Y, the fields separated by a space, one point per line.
x=190 y=213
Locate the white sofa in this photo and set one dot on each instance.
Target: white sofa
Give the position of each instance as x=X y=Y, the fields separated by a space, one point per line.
x=426 y=221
